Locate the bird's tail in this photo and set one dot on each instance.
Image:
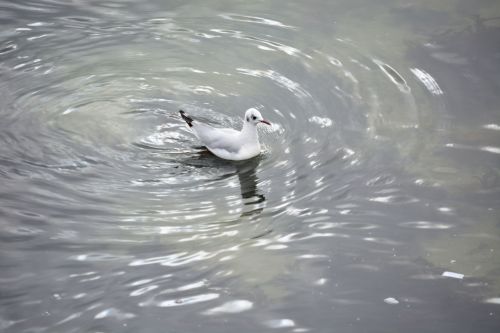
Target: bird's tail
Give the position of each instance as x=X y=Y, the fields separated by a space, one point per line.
x=186 y=118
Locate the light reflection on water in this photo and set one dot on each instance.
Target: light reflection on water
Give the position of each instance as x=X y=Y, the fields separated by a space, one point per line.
x=370 y=184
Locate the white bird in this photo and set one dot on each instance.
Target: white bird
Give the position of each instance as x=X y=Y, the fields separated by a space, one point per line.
x=228 y=143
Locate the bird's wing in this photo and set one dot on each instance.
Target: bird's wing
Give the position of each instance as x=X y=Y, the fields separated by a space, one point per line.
x=217 y=138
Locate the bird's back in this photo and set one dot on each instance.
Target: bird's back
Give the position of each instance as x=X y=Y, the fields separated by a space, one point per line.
x=217 y=138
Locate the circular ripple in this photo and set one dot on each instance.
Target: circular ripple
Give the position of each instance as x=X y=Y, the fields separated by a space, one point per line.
x=91 y=143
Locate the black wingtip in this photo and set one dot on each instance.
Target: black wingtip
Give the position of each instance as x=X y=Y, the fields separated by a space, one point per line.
x=186 y=118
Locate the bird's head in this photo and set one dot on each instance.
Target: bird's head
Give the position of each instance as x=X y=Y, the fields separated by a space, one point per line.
x=253 y=116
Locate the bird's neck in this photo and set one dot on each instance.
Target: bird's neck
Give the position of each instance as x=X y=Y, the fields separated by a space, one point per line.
x=249 y=131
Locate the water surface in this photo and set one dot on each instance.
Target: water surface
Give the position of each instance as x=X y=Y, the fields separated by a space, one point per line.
x=379 y=174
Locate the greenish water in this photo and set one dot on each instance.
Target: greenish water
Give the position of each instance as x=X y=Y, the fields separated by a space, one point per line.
x=380 y=172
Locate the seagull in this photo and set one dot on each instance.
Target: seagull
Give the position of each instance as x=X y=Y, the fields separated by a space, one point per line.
x=228 y=143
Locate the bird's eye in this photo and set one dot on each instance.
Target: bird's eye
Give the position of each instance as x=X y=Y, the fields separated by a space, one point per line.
x=254 y=117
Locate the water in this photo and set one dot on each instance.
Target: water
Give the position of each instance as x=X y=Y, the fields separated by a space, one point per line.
x=380 y=173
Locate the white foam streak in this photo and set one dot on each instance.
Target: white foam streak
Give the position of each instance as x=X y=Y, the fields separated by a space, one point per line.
x=230 y=307
x=428 y=81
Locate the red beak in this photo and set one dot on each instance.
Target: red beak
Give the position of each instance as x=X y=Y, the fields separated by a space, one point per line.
x=265 y=122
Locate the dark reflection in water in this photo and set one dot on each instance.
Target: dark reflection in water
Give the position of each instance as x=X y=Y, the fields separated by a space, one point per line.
x=380 y=172
x=252 y=198
x=247 y=175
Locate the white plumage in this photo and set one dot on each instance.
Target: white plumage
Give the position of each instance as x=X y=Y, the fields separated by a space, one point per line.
x=228 y=143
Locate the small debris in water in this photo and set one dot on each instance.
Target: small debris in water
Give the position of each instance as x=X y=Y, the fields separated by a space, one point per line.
x=453 y=275
x=493 y=300
x=320 y=282
x=280 y=323
x=391 y=300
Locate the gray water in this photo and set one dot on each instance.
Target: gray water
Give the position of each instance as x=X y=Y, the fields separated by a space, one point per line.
x=380 y=173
